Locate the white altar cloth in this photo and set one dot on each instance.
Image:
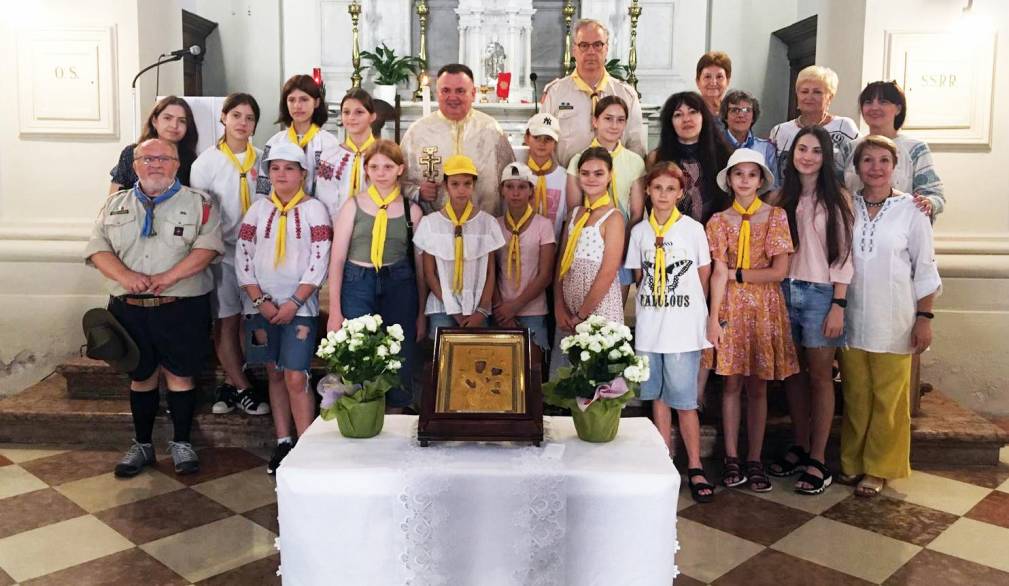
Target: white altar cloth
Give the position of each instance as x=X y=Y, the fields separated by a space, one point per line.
x=385 y=511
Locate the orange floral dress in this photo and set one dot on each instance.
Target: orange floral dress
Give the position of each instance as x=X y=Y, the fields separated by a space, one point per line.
x=757 y=340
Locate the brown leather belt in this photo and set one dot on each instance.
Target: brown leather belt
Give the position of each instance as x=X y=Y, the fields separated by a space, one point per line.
x=148 y=301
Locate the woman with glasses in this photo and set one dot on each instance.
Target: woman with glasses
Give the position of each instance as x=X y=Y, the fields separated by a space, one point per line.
x=738 y=113
x=171 y=120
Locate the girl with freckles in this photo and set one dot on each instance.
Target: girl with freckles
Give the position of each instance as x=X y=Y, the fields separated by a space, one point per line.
x=750 y=244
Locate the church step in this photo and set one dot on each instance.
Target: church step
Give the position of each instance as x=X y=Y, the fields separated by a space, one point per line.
x=945 y=434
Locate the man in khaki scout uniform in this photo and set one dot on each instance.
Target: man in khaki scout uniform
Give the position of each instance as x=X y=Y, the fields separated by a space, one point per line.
x=572 y=99
x=154 y=243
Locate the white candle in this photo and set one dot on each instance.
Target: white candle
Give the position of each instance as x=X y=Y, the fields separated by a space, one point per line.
x=426 y=93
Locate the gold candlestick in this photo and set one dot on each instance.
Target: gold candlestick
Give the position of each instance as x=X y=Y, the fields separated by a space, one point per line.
x=632 y=60
x=569 y=13
x=355 y=56
x=422 y=77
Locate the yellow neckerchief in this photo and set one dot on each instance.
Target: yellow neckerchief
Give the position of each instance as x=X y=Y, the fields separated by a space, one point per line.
x=355 y=171
x=293 y=136
x=743 y=252
x=593 y=92
x=659 y=280
x=458 y=129
x=613 y=172
x=381 y=223
x=540 y=192
x=514 y=250
x=458 y=223
x=279 y=250
x=569 y=247
x=243 y=170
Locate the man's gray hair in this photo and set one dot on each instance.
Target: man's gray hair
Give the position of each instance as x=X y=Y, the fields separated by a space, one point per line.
x=137 y=148
x=584 y=22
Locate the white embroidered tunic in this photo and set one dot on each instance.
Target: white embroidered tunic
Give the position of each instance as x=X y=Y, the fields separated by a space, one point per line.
x=323 y=154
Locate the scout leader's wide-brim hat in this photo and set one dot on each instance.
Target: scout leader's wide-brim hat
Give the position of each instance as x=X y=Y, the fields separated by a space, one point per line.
x=108 y=340
x=745 y=156
x=287 y=151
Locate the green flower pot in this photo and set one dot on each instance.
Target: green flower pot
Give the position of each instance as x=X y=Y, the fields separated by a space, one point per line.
x=599 y=423
x=360 y=420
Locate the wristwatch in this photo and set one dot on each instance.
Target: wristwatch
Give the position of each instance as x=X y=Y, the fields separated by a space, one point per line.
x=838 y=301
x=261 y=300
x=483 y=311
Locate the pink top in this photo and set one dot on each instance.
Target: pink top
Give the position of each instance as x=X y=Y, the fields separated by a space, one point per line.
x=539 y=232
x=809 y=263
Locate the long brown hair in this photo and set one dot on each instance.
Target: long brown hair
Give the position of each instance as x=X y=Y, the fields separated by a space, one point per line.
x=189 y=140
x=306 y=84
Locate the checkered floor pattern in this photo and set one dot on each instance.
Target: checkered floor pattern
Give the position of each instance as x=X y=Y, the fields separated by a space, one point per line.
x=64 y=519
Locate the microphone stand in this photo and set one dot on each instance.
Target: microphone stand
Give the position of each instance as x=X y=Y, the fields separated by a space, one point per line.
x=536 y=102
x=133 y=88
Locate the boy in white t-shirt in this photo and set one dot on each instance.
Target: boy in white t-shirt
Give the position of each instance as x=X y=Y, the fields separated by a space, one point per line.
x=550 y=179
x=668 y=253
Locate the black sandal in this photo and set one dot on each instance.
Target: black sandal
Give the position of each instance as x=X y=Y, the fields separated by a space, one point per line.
x=697 y=487
x=819 y=484
x=759 y=482
x=732 y=473
x=784 y=466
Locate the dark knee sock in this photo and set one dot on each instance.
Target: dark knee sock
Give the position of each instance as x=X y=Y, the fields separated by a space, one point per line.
x=144 y=406
x=183 y=405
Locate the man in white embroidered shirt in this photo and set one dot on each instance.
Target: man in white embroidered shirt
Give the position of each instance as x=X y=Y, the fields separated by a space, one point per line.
x=455 y=129
x=572 y=99
x=154 y=243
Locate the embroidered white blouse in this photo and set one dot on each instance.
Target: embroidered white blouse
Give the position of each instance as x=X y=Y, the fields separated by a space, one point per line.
x=436 y=236
x=894 y=268
x=306 y=257
x=323 y=154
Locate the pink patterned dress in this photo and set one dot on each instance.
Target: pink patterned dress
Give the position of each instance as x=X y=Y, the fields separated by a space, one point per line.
x=588 y=259
x=757 y=339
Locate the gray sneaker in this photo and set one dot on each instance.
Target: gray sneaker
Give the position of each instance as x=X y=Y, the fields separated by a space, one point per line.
x=184 y=457
x=138 y=456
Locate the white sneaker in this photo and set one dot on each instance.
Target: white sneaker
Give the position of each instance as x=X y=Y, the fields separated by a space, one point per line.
x=248 y=403
x=225 y=399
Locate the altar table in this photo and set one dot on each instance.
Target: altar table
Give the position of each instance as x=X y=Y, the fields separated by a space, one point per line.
x=386 y=511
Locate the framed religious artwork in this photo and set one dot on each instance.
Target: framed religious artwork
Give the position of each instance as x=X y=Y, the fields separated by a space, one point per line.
x=482 y=385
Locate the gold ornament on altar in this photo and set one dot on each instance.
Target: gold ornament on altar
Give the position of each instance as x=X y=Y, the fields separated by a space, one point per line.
x=634 y=11
x=355 y=56
x=423 y=80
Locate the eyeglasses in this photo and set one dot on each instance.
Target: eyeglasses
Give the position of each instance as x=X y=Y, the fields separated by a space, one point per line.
x=740 y=110
x=161 y=160
x=596 y=46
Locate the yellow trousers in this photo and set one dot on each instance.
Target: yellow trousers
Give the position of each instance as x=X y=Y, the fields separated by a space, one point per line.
x=876 y=427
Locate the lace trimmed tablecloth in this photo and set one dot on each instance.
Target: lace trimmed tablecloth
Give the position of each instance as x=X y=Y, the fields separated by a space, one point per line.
x=385 y=511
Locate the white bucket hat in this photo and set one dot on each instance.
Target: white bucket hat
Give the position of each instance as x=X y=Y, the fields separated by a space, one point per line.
x=745 y=156
x=287 y=151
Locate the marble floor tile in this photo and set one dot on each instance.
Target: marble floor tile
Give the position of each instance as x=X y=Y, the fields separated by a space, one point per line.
x=265 y=516
x=707 y=553
x=219 y=462
x=983 y=476
x=15 y=480
x=213 y=549
x=865 y=555
x=164 y=515
x=930 y=568
x=685 y=501
x=4 y=461
x=61 y=545
x=18 y=453
x=35 y=509
x=1004 y=487
x=685 y=580
x=936 y=492
x=106 y=491
x=6 y=580
x=260 y=572
x=897 y=519
x=242 y=491
x=784 y=494
x=72 y=465
x=125 y=567
x=747 y=516
x=774 y=568
x=993 y=509
x=976 y=542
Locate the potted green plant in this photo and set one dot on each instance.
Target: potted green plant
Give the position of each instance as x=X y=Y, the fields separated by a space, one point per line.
x=390 y=70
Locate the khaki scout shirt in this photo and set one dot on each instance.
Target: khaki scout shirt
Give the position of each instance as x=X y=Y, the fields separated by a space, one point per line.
x=188 y=220
x=573 y=108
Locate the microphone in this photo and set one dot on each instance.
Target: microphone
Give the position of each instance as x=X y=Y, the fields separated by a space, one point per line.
x=194 y=51
x=533 y=77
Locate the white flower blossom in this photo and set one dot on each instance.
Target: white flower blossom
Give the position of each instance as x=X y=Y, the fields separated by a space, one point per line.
x=394 y=347
x=614 y=355
x=394 y=365
x=585 y=356
x=382 y=351
x=396 y=331
x=340 y=336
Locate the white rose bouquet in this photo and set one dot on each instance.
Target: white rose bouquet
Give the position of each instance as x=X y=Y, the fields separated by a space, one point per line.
x=363 y=359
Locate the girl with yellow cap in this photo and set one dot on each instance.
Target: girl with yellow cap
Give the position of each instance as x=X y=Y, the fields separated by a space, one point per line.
x=457 y=243
x=750 y=243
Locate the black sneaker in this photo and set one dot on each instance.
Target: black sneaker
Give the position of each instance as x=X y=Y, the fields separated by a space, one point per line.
x=279 y=453
x=247 y=401
x=138 y=456
x=225 y=399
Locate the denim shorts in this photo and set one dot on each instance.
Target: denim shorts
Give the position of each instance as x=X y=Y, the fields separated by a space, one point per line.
x=442 y=320
x=808 y=305
x=626 y=276
x=283 y=346
x=672 y=378
x=537 y=326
